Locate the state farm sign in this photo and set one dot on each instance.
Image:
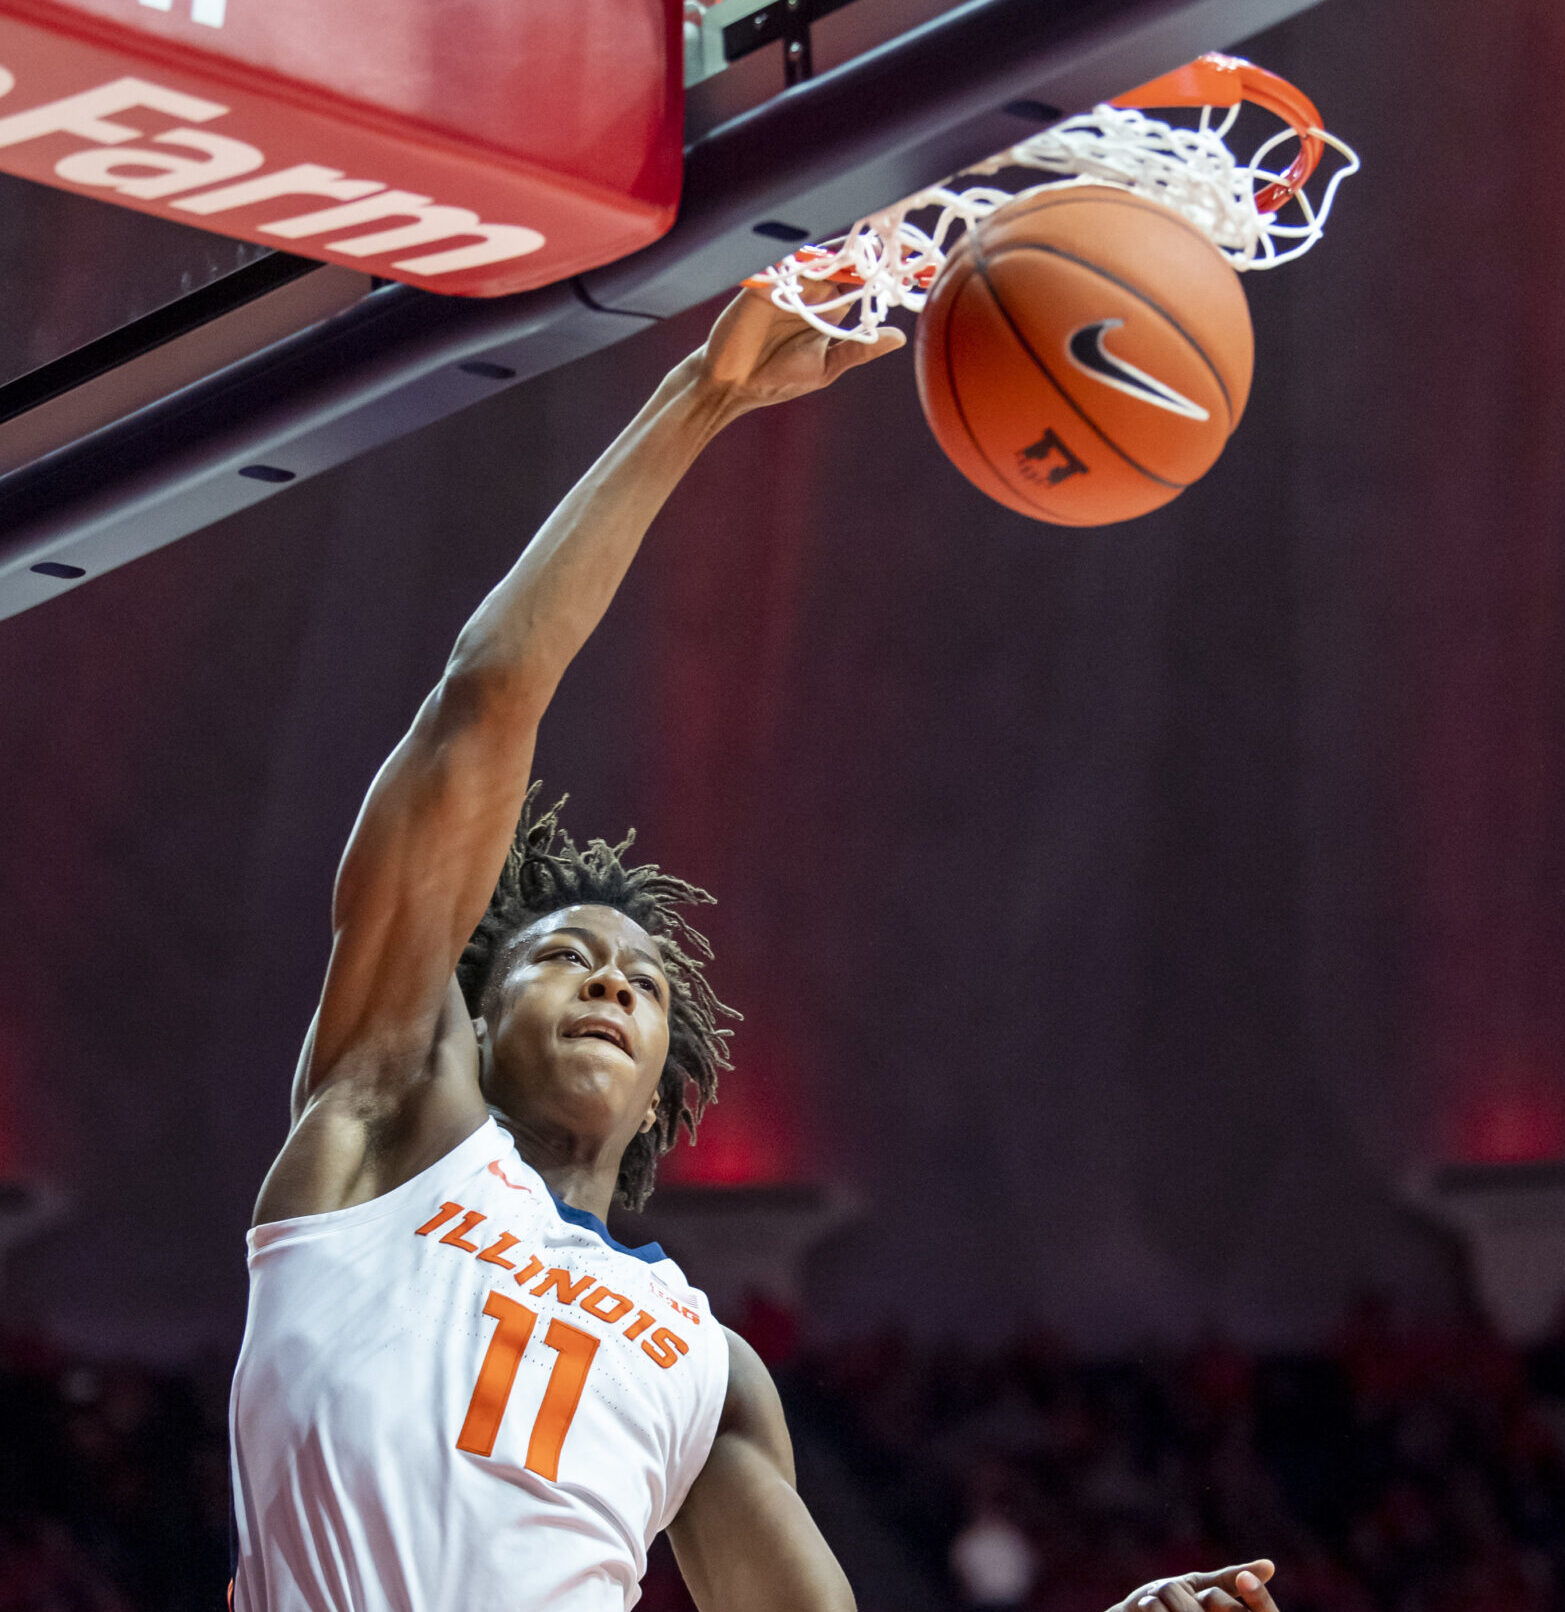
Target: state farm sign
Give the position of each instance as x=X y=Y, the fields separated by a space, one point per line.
x=342 y=184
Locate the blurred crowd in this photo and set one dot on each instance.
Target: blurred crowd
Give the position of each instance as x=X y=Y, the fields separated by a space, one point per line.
x=113 y=1485
x=1402 y=1469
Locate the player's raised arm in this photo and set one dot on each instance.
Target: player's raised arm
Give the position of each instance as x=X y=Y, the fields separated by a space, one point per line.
x=434 y=829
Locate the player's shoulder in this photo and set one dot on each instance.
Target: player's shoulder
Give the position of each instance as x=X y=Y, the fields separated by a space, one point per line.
x=752 y=1407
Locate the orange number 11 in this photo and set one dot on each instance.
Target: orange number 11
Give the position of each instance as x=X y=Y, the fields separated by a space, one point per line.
x=514 y=1328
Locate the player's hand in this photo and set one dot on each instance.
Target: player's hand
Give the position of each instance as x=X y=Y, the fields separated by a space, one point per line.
x=1231 y=1589
x=757 y=354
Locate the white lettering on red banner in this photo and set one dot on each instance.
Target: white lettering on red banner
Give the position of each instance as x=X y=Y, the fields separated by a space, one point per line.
x=183 y=159
x=210 y=12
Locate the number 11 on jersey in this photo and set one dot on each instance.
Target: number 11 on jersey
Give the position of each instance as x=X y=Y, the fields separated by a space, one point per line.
x=573 y=1349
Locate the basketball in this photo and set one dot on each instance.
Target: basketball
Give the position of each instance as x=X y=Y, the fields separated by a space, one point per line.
x=1084 y=355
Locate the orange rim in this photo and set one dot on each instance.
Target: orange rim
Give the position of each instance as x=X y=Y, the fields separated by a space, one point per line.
x=1210 y=80
x=805 y=255
x=1217 y=80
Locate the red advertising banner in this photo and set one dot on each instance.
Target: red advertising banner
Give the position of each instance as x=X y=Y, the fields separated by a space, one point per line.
x=475 y=147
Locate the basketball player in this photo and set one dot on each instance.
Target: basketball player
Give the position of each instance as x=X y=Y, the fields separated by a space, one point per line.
x=457 y=1392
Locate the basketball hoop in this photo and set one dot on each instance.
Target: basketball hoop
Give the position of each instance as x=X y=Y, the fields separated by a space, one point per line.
x=885 y=261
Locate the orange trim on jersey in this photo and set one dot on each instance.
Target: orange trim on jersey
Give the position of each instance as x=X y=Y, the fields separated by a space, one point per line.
x=515 y=1186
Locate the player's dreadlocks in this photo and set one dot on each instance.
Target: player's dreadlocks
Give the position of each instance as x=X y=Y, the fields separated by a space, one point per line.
x=544 y=871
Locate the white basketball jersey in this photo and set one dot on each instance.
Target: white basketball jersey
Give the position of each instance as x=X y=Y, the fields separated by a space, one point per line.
x=462 y=1397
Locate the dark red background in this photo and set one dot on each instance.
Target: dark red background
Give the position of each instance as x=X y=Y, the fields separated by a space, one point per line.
x=1124 y=915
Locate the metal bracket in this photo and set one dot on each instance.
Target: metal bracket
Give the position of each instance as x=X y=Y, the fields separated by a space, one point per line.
x=731 y=29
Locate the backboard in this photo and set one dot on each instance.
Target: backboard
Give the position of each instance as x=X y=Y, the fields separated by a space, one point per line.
x=155 y=377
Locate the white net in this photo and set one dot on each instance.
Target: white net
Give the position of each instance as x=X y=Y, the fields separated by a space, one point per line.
x=887 y=261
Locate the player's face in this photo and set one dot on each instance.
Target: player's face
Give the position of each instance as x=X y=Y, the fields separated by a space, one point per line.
x=579 y=1030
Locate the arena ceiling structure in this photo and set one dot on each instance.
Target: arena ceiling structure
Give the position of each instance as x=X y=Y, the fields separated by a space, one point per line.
x=190 y=375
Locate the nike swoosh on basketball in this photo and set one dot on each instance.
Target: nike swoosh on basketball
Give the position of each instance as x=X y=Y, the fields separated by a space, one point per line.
x=1087 y=352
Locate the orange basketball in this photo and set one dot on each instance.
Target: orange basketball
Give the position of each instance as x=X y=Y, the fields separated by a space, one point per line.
x=1084 y=355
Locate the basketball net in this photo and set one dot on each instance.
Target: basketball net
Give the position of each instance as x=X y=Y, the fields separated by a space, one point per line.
x=886 y=261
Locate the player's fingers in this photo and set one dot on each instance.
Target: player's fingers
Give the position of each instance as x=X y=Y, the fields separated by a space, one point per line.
x=846 y=355
x=1216 y=1600
x=739 y=336
x=1252 y=1591
x=1227 y=1578
x=813 y=291
x=1177 y=1596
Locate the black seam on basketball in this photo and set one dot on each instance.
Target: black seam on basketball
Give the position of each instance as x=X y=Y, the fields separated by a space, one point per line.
x=981 y=267
x=956 y=397
x=1140 y=296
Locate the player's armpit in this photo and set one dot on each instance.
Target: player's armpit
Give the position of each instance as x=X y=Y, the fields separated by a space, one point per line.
x=743 y=1538
x=358 y=1137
